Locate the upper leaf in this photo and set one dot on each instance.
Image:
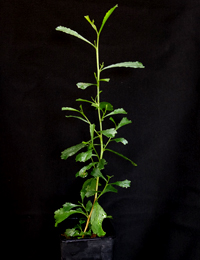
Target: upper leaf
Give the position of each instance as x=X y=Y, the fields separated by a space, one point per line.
x=121 y=140
x=70 y=109
x=72 y=32
x=123 y=122
x=88 y=188
x=97 y=173
x=91 y=22
x=121 y=155
x=83 y=157
x=127 y=64
x=72 y=150
x=117 y=111
x=82 y=85
x=123 y=184
x=110 y=133
x=106 y=106
x=106 y=17
x=83 y=171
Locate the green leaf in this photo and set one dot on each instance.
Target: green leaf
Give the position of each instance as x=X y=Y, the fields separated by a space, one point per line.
x=123 y=122
x=101 y=164
x=106 y=17
x=123 y=184
x=78 y=117
x=121 y=140
x=121 y=155
x=97 y=173
x=83 y=157
x=64 y=212
x=110 y=133
x=97 y=217
x=92 y=128
x=91 y=22
x=71 y=232
x=109 y=188
x=83 y=171
x=88 y=206
x=70 y=109
x=73 y=33
x=117 y=111
x=106 y=80
x=106 y=106
x=82 y=85
x=72 y=150
x=127 y=64
x=88 y=188
x=83 y=100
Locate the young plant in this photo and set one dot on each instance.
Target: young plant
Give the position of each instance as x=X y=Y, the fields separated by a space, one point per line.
x=96 y=184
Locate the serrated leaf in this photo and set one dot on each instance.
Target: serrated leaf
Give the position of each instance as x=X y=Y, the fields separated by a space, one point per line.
x=91 y=22
x=88 y=188
x=97 y=173
x=83 y=171
x=70 y=109
x=109 y=188
x=78 y=117
x=82 y=85
x=97 y=217
x=121 y=155
x=123 y=184
x=110 y=133
x=88 y=206
x=73 y=33
x=84 y=156
x=117 y=111
x=123 y=122
x=106 y=106
x=107 y=15
x=121 y=140
x=127 y=64
x=72 y=150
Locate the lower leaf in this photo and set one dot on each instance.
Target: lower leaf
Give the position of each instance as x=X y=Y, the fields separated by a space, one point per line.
x=98 y=215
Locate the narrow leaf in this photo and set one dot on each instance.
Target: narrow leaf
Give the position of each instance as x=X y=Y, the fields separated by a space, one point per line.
x=83 y=157
x=121 y=155
x=91 y=22
x=72 y=150
x=70 y=109
x=111 y=119
x=73 y=33
x=128 y=64
x=92 y=128
x=98 y=215
x=117 y=111
x=83 y=100
x=106 y=80
x=88 y=206
x=110 y=133
x=82 y=85
x=121 y=140
x=78 y=117
x=106 y=17
x=123 y=184
x=83 y=171
x=123 y=122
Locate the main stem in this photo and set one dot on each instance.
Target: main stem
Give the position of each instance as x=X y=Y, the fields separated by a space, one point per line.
x=100 y=126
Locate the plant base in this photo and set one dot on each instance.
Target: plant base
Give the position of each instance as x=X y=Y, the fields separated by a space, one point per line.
x=87 y=249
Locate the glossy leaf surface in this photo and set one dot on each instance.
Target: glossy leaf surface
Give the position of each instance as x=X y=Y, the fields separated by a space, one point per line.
x=117 y=111
x=72 y=150
x=127 y=64
x=82 y=85
x=123 y=184
x=98 y=215
x=107 y=15
x=83 y=157
x=109 y=132
x=124 y=121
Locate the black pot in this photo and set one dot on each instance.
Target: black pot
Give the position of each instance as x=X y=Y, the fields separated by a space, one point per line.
x=100 y=248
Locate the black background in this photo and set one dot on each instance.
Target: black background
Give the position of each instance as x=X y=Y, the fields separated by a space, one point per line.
x=159 y=216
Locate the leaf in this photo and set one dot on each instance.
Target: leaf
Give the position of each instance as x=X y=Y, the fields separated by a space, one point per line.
x=101 y=164
x=73 y=33
x=106 y=80
x=82 y=85
x=71 y=232
x=64 y=212
x=91 y=22
x=107 y=15
x=123 y=184
x=123 y=122
x=109 y=188
x=83 y=100
x=92 y=128
x=97 y=217
x=117 y=111
x=72 y=150
x=83 y=157
x=121 y=140
x=97 y=173
x=78 y=117
x=110 y=133
x=127 y=64
x=83 y=171
x=88 y=206
x=88 y=188
x=70 y=109
x=121 y=155
x=106 y=106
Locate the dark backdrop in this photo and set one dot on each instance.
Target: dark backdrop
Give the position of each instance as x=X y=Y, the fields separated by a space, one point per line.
x=159 y=216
